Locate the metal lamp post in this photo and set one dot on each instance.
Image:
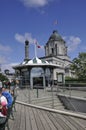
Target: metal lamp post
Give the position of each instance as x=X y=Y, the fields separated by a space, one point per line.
x=52 y=85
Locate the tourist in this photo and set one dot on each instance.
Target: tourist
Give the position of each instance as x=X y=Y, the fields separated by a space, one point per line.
x=12 y=87
x=3 y=103
x=0 y=84
x=8 y=96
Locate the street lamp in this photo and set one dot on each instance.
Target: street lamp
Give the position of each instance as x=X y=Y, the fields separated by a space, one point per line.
x=52 y=85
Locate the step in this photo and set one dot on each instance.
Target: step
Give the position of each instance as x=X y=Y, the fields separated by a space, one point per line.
x=55 y=107
x=46 y=99
x=48 y=103
x=59 y=107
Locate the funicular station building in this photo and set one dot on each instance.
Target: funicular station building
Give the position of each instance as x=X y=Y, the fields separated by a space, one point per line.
x=53 y=67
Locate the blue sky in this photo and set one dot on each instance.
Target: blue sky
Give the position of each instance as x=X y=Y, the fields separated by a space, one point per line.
x=34 y=19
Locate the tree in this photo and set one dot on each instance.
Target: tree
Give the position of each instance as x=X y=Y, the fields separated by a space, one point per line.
x=79 y=66
x=3 y=77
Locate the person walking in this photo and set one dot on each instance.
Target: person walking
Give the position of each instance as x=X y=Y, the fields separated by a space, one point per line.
x=8 y=96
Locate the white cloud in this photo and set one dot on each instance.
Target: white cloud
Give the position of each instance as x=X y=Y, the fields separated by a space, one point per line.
x=8 y=66
x=4 y=48
x=4 y=51
x=2 y=59
x=35 y=3
x=72 y=42
x=4 y=64
x=21 y=38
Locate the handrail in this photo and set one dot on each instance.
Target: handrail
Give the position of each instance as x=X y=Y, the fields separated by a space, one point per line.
x=67 y=98
x=78 y=115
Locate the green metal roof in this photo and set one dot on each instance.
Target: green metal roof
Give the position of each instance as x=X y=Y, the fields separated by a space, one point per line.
x=35 y=60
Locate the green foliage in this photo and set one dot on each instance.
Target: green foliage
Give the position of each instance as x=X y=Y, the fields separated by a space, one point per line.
x=3 y=77
x=74 y=80
x=79 y=66
x=70 y=78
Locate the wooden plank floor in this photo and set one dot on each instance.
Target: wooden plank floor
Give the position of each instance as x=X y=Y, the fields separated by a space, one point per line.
x=30 y=118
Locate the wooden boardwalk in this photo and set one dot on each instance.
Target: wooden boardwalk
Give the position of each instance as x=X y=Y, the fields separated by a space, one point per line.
x=32 y=117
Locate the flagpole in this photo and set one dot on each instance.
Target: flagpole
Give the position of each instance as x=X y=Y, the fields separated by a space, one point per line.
x=36 y=46
x=35 y=51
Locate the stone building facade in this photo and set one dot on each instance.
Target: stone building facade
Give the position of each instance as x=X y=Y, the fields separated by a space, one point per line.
x=55 y=65
x=56 y=53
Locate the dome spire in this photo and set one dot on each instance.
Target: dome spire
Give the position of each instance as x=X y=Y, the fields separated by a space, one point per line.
x=55 y=36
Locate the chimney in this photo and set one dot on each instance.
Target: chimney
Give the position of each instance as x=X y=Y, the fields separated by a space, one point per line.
x=26 y=50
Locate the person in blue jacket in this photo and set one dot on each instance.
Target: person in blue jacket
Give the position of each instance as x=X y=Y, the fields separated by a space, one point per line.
x=8 y=96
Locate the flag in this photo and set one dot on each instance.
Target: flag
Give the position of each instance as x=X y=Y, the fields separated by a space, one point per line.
x=37 y=45
x=55 y=22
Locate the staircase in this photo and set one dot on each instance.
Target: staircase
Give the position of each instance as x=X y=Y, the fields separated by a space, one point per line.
x=44 y=98
x=49 y=102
